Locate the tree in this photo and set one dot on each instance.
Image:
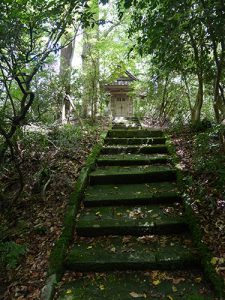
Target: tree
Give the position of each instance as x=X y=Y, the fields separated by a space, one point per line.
x=213 y=19
x=90 y=65
x=30 y=32
x=172 y=32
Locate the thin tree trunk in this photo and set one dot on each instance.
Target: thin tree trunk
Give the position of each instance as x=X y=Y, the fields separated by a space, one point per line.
x=90 y=66
x=85 y=55
x=66 y=59
x=164 y=100
x=196 y=110
x=188 y=93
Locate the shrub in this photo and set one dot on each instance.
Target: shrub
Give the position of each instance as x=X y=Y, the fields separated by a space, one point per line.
x=11 y=254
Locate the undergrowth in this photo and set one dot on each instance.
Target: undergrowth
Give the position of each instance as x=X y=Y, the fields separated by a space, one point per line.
x=11 y=254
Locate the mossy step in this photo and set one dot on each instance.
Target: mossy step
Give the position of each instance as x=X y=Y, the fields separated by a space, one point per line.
x=132 y=253
x=149 y=149
x=123 y=133
x=139 y=220
x=128 y=127
x=132 y=174
x=135 y=194
x=134 y=159
x=151 y=285
x=135 y=141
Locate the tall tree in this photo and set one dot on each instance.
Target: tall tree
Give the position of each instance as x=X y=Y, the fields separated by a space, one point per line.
x=30 y=31
x=174 y=35
x=213 y=18
x=66 y=60
x=90 y=64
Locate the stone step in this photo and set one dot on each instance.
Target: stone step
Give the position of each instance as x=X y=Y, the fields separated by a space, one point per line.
x=142 y=149
x=132 y=253
x=135 y=194
x=127 y=127
x=126 y=122
x=134 y=159
x=132 y=133
x=135 y=141
x=131 y=220
x=151 y=285
x=132 y=174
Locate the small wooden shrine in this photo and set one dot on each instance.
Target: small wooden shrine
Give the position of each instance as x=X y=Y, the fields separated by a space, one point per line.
x=121 y=103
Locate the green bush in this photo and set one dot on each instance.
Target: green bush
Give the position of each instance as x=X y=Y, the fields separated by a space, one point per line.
x=207 y=156
x=65 y=136
x=11 y=254
x=68 y=135
x=35 y=141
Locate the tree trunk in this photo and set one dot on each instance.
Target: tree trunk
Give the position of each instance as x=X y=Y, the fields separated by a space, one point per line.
x=90 y=66
x=196 y=110
x=66 y=58
x=218 y=103
x=162 y=115
x=85 y=55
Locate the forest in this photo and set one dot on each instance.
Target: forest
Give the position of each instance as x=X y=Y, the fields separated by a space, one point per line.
x=56 y=60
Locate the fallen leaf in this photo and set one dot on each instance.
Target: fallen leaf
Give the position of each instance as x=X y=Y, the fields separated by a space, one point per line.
x=174 y=289
x=136 y=295
x=156 y=282
x=98 y=214
x=198 y=279
x=69 y=292
x=178 y=280
x=154 y=274
x=155 y=216
x=214 y=260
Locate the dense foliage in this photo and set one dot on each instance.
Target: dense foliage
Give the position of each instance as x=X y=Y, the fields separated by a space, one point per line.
x=30 y=32
x=185 y=41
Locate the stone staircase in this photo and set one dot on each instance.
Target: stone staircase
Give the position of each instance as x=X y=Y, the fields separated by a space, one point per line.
x=132 y=239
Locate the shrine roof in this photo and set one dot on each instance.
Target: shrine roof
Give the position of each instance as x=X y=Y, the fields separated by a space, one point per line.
x=122 y=82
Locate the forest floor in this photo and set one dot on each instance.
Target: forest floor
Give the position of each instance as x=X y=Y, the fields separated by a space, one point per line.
x=51 y=171
x=204 y=165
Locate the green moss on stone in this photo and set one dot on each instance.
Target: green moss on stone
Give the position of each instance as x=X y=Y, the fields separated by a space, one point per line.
x=127 y=285
x=141 y=149
x=105 y=254
x=122 y=220
x=134 y=141
x=56 y=259
x=134 y=133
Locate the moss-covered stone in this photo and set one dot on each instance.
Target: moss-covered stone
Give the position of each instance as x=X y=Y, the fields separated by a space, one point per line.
x=143 y=285
x=134 y=159
x=123 y=133
x=135 y=141
x=132 y=174
x=57 y=256
x=119 y=253
x=136 y=194
x=137 y=181
x=131 y=220
x=140 y=149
